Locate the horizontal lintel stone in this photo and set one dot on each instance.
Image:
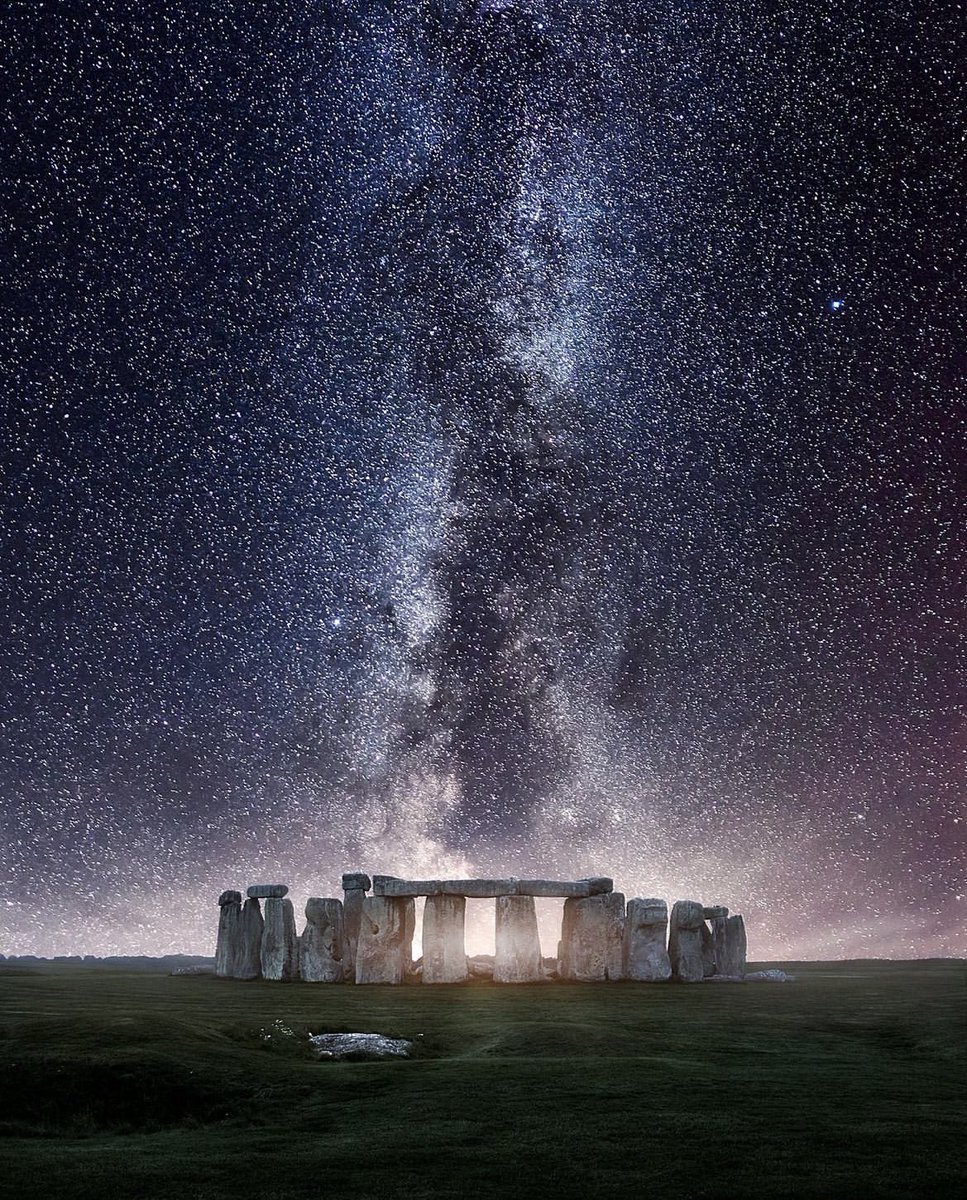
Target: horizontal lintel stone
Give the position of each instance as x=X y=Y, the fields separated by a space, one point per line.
x=267 y=891
x=577 y=889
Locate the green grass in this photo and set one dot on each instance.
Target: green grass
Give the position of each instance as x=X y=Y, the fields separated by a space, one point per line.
x=848 y=1083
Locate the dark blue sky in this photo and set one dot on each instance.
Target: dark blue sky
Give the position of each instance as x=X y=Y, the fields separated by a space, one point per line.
x=455 y=436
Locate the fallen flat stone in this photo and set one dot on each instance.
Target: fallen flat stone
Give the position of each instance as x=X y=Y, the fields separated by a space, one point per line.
x=229 y=931
x=360 y=1045
x=518 y=957
x=248 y=964
x=685 y=941
x=380 y=953
x=592 y=938
x=646 y=927
x=356 y=880
x=576 y=889
x=444 y=949
x=322 y=946
x=267 y=891
x=773 y=975
x=280 y=945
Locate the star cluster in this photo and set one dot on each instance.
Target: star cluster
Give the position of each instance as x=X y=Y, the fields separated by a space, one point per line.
x=484 y=435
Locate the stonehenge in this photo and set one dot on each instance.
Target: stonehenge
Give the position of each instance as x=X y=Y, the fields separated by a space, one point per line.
x=367 y=937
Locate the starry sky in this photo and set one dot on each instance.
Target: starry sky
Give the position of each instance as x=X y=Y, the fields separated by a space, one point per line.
x=484 y=436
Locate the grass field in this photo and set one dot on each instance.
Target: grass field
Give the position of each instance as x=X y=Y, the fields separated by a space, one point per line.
x=850 y=1082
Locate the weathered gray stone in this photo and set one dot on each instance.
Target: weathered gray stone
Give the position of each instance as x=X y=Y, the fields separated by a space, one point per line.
x=592 y=938
x=685 y=941
x=389 y=885
x=734 y=957
x=229 y=929
x=267 y=891
x=554 y=887
x=482 y=889
x=229 y=897
x=444 y=948
x=353 y=900
x=712 y=911
x=248 y=964
x=646 y=926
x=280 y=945
x=356 y=881
x=322 y=947
x=518 y=957
x=599 y=885
x=381 y=954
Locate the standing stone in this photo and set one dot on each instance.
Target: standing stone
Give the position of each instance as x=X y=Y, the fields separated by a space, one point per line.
x=713 y=939
x=733 y=960
x=444 y=950
x=280 y=947
x=646 y=926
x=518 y=957
x=229 y=928
x=322 y=946
x=685 y=941
x=381 y=952
x=592 y=938
x=355 y=886
x=248 y=964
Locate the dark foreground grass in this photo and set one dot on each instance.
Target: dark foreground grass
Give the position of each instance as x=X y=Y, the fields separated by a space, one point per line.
x=848 y=1083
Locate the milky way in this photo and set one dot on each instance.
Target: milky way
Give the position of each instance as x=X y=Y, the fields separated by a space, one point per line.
x=511 y=436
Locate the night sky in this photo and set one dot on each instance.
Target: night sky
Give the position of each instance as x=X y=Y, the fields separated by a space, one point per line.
x=484 y=436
